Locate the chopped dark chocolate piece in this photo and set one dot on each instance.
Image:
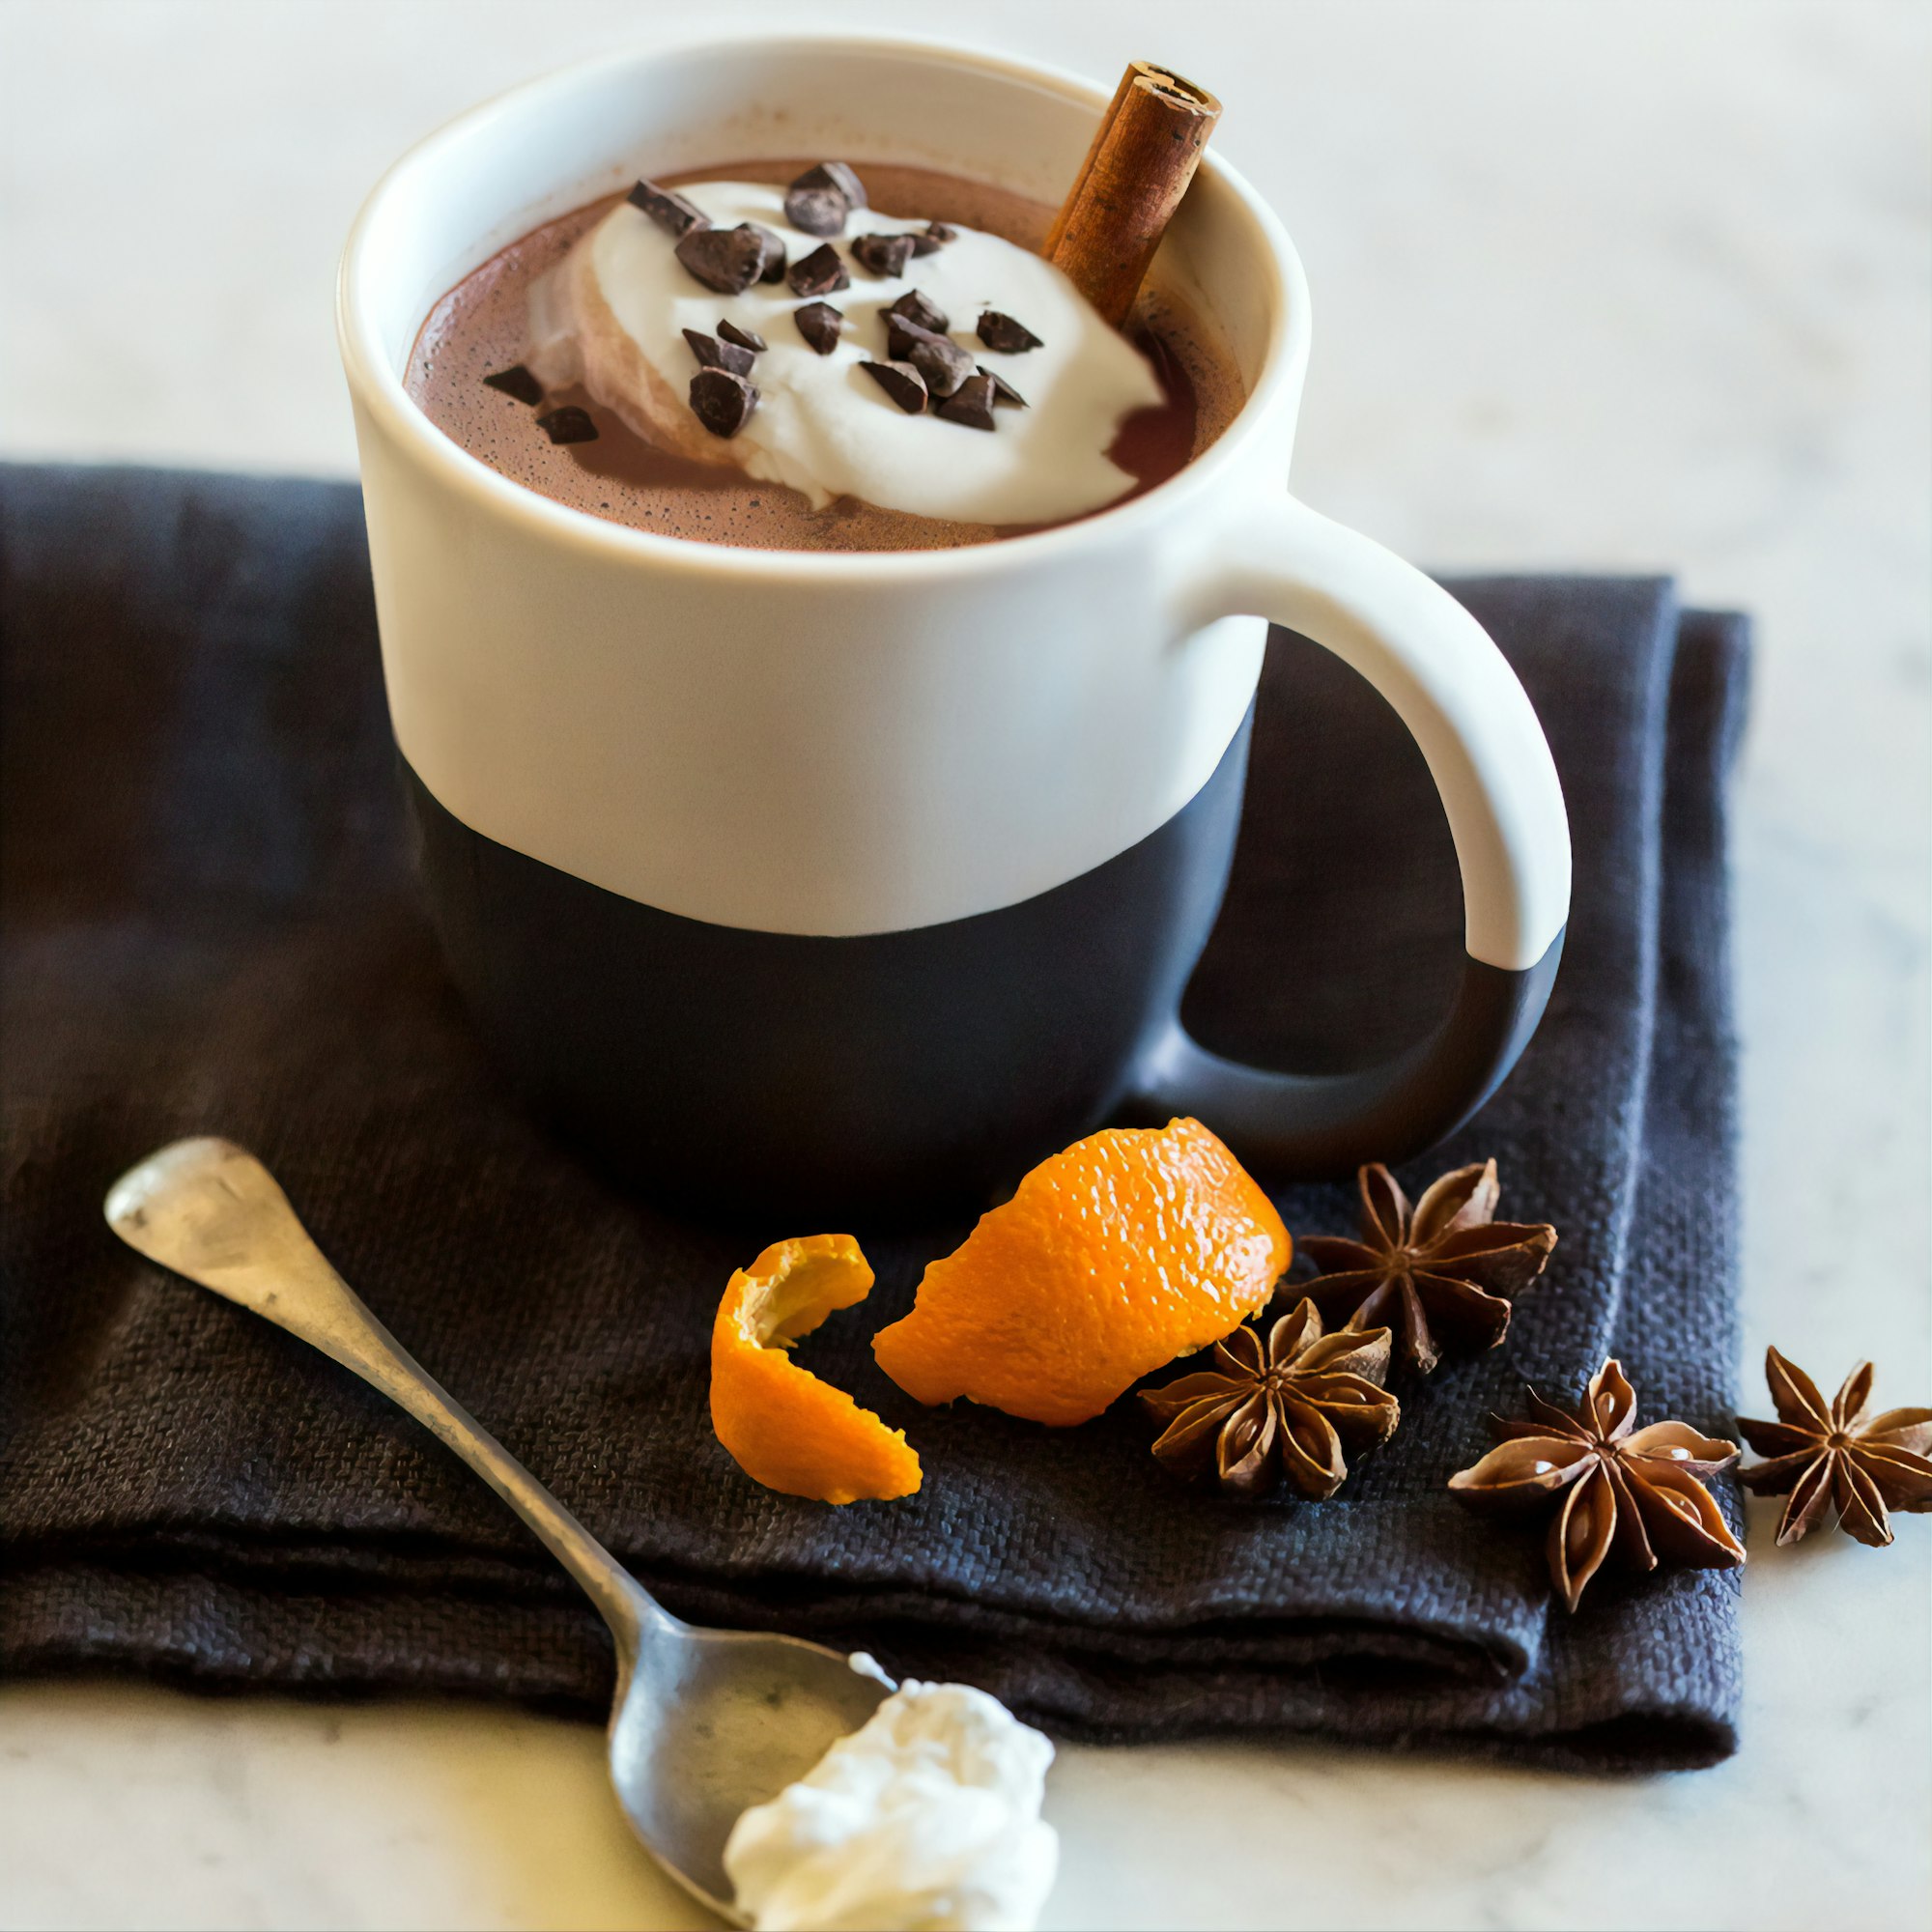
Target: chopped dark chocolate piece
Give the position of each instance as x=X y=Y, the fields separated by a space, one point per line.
x=834 y=175
x=728 y=260
x=668 y=208
x=943 y=363
x=936 y=235
x=901 y=382
x=745 y=338
x=569 y=424
x=772 y=267
x=1003 y=390
x=821 y=324
x=517 y=382
x=722 y=401
x=971 y=403
x=715 y=355
x=817 y=211
x=915 y=305
x=819 y=273
x=1002 y=332
x=883 y=255
x=903 y=334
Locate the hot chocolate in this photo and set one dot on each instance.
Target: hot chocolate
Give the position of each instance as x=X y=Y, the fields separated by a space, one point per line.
x=621 y=360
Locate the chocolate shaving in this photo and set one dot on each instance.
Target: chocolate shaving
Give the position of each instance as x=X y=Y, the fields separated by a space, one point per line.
x=821 y=324
x=943 y=365
x=816 y=210
x=1003 y=390
x=728 y=260
x=517 y=382
x=818 y=274
x=716 y=354
x=915 y=305
x=772 y=267
x=971 y=403
x=935 y=237
x=834 y=175
x=883 y=255
x=745 y=338
x=569 y=424
x=901 y=382
x=668 y=208
x=903 y=335
x=1002 y=332
x=723 y=402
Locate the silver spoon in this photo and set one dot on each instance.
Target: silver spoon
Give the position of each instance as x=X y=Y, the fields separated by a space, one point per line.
x=705 y=1723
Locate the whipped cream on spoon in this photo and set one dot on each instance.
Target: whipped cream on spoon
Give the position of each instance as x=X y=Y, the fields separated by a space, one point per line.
x=925 y=1820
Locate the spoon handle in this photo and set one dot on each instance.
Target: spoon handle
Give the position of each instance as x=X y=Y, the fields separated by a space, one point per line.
x=211 y=1211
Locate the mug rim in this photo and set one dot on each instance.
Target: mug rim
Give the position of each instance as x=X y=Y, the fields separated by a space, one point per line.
x=380 y=389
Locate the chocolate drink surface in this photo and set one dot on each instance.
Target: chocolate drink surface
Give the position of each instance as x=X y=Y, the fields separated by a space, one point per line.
x=483 y=327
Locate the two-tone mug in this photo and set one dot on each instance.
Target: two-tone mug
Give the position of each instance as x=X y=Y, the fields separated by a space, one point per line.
x=829 y=879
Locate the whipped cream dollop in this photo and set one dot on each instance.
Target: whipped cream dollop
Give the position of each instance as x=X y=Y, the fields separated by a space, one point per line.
x=613 y=313
x=927 y=1819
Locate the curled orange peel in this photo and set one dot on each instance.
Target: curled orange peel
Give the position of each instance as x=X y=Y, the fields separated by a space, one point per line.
x=1127 y=1249
x=783 y=1426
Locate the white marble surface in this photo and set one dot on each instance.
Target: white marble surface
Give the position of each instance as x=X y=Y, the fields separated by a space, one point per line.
x=1633 y=285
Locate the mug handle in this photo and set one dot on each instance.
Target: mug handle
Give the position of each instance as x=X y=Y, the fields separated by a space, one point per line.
x=1473 y=723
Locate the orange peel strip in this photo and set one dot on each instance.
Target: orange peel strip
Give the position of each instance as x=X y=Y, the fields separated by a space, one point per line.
x=783 y=1426
x=1131 y=1247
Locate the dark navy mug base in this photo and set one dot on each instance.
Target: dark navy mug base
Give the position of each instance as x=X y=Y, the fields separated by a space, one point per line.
x=747 y=1074
x=742 y=1072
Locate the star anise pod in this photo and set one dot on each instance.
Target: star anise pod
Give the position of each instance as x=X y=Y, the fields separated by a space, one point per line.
x=1641 y=1494
x=1441 y=1274
x=1289 y=1406
x=1820 y=1454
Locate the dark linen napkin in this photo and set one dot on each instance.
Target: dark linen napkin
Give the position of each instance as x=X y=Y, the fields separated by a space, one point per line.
x=210 y=925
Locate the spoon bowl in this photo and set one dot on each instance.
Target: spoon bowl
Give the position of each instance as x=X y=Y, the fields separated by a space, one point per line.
x=705 y=1723
x=715 y=1721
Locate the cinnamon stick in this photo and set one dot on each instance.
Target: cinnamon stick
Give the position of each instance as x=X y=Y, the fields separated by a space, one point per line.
x=1144 y=155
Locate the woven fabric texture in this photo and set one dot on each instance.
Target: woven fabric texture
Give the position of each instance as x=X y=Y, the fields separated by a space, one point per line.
x=210 y=925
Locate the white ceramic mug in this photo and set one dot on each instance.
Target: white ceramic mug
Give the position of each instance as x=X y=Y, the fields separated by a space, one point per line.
x=859 y=877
